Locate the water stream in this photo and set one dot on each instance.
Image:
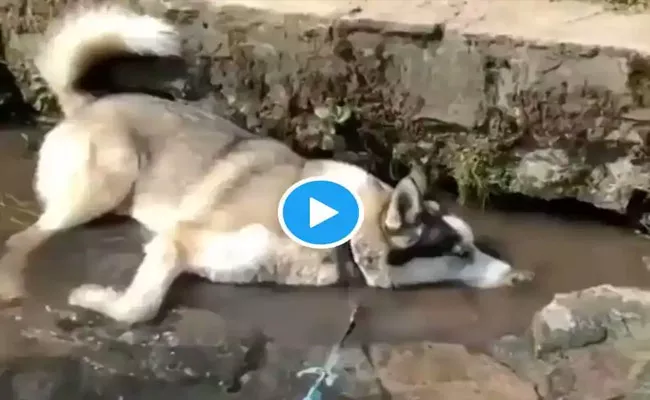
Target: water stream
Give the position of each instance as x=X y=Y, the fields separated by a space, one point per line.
x=565 y=255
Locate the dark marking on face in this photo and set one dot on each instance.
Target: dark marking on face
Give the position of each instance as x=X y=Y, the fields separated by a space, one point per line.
x=436 y=239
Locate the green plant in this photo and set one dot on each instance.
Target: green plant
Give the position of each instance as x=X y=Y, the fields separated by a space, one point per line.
x=334 y=114
x=478 y=169
x=320 y=129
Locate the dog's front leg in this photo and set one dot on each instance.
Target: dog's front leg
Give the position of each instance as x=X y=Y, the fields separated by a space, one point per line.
x=143 y=297
x=480 y=270
x=486 y=272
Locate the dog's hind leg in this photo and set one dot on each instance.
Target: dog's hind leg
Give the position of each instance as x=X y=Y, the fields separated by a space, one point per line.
x=232 y=257
x=143 y=297
x=76 y=181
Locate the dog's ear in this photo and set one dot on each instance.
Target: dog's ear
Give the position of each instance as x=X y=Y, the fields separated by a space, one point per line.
x=406 y=202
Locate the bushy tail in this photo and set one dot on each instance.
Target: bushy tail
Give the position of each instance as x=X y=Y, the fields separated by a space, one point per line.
x=85 y=37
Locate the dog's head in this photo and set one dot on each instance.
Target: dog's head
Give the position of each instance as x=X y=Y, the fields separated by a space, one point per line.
x=413 y=241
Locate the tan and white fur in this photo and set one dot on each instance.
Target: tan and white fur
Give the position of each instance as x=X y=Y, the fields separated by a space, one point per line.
x=207 y=189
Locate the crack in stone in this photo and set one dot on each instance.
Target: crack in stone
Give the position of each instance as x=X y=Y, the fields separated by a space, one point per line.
x=253 y=359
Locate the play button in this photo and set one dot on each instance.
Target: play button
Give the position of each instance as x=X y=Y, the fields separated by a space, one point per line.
x=319 y=213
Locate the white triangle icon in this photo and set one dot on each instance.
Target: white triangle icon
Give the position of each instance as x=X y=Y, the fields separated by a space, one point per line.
x=319 y=212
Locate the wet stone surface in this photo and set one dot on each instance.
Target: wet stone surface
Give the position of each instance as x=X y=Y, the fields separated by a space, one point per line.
x=176 y=357
x=591 y=344
x=167 y=361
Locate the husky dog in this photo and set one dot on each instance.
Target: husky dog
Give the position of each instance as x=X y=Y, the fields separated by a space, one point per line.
x=209 y=190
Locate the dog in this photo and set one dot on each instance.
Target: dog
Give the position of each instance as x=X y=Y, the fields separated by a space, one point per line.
x=209 y=190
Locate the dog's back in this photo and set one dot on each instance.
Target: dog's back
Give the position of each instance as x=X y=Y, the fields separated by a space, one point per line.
x=189 y=161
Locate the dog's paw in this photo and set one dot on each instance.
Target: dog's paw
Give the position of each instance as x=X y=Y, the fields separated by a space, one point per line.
x=110 y=303
x=93 y=297
x=518 y=277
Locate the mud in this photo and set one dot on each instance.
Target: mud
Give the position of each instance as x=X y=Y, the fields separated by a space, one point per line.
x=565 y=255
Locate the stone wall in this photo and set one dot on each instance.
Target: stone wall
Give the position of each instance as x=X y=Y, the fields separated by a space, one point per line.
x=485 y=93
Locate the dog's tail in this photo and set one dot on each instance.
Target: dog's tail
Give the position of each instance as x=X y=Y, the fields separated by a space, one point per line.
x=86 y=37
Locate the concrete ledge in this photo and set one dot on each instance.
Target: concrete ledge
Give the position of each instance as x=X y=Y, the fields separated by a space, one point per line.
x=541 y=22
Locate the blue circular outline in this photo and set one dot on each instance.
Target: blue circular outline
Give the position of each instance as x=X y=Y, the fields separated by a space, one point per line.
x=332 y=245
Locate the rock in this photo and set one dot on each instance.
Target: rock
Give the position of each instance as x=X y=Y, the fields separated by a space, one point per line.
x=541 y=169
x=590 y=316
x=189 y=353
x=445 y=371
x=590 y=344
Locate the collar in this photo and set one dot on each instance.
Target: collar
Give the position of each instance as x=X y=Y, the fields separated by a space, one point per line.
x=349 y=272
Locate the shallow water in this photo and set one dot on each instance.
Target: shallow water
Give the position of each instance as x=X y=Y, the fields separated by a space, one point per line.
x=565 y=256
